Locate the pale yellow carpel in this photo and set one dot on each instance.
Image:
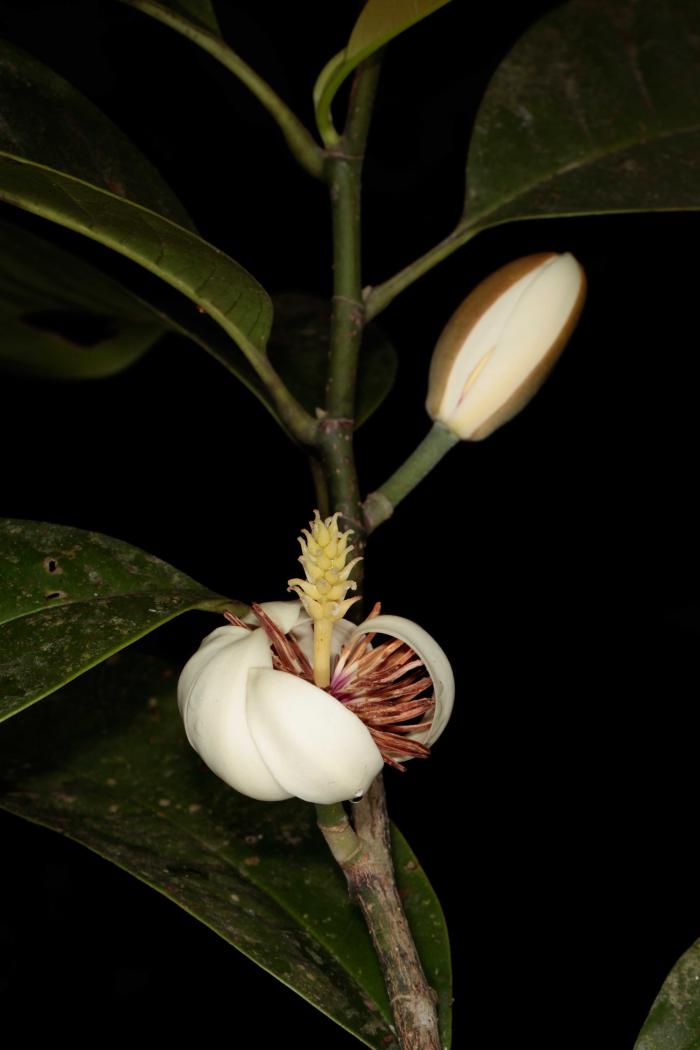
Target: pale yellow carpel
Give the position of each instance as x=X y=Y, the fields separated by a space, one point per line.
x=324 y=553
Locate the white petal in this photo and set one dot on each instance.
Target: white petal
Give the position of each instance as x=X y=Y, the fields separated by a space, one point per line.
x=537 y=316
x=483 y=338
x=208 y=646
x=312 y=744
x=436 y=664
x=284 y=615
x=212 y=695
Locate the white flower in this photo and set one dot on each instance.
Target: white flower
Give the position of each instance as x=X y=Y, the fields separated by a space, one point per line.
x=255 y=717
x=501 y=343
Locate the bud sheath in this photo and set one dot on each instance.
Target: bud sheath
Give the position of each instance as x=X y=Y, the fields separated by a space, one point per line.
x=501 y=343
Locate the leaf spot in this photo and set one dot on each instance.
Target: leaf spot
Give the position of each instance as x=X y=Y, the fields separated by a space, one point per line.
x=194 y=808
x=164 y=802
x=252 y=862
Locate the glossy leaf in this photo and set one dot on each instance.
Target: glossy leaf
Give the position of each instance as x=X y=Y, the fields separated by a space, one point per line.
x=217 y=284
x=45 y=120
x=71 y=598
x=201 y=12
x=298 y=349
x=674 y=1019
x=63 y=319
x=108 y=764
x=596 y=109
x=61 y=159
x=379 y=22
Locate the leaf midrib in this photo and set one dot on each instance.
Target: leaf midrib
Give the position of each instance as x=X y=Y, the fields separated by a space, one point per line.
x=64 y=603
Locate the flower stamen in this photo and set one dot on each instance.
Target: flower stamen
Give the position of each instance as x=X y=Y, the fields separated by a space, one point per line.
x=383 y=686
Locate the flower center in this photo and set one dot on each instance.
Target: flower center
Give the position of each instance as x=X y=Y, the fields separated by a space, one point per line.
x=385 y=685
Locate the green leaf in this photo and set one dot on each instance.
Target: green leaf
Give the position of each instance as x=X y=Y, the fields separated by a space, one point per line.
x=298 y=349
x=45 y=120
x=71 y=598
x=674 y=1019
x=379 y=22
x=63 y=319
x=217 y=284
x=201 y=12
x=109 y=765
x=61 y=159
x=594 y=110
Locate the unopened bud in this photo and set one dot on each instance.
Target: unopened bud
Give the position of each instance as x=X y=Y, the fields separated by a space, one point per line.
x=501 y=343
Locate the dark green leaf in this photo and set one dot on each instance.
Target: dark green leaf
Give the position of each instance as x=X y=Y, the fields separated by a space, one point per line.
x=70 y=346
x=201 y=12
x=61 y=159
x=674 y=1020
x=61 y=317
x=70 y=598
x=108 y=764
x=379 y=22
x=298 y=349
x=217 y=284
x=45 y=120
x=596 y=109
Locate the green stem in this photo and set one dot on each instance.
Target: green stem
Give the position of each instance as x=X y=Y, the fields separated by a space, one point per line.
x=344 y=176
x=338 y=833
x=320 y=485
x=347 y=317
x=379 y=297
x=335 y=431
x=334 y=440
x=364 y=854
x=380 y=504
x=301 y=144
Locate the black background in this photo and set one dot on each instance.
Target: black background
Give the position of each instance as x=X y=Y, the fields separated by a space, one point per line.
x=555 y=562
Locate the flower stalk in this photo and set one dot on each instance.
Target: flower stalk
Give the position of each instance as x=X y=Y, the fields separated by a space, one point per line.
x=362 y=848
x=380 y=504
x=364 y=854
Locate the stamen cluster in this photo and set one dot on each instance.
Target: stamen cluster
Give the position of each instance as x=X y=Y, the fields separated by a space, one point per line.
x=385 y=684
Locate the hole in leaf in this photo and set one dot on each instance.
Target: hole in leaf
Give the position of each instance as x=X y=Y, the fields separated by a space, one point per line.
x=51 y=565
x=79 y=329
x=55 y=594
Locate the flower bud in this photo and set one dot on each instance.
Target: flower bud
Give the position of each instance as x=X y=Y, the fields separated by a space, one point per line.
x=501 y=343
